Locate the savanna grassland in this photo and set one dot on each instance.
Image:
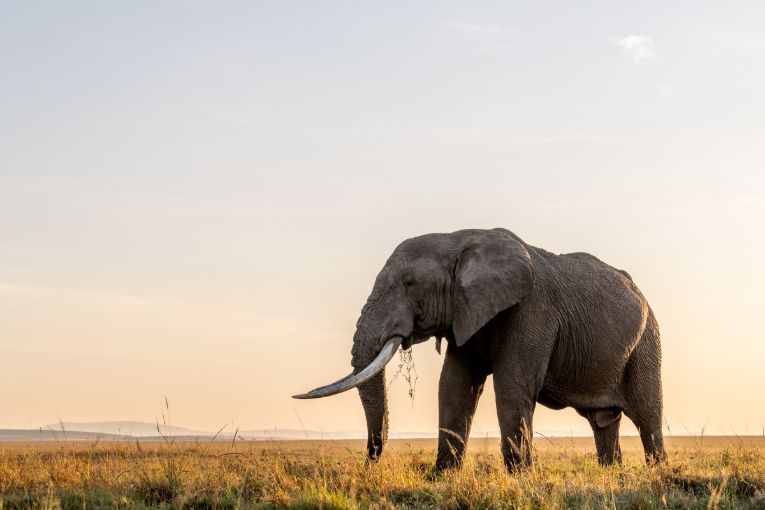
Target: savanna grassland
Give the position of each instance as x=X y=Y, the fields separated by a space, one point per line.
x=709 y=472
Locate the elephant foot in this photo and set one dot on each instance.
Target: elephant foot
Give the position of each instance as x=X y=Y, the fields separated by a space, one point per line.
x=610 y=459
x=516 y=465
x=448 y=460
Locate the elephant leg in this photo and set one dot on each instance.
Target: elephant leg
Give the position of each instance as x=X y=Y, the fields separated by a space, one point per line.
x=653 y=443
x=461 y=384
x=648 y=422
x=605 y=427
x=519 y=368
x=515 y=425
x=643 y=394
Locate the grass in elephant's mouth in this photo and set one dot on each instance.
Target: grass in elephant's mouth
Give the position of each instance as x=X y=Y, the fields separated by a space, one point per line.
x=718 y=472
x=406 y=370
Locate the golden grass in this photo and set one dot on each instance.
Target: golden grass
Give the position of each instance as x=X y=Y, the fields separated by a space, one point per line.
x=703 y=473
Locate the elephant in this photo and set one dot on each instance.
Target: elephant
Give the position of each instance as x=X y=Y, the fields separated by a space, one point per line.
x=562 y=330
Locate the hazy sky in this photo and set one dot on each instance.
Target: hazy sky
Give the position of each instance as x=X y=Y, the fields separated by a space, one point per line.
x=195 y=198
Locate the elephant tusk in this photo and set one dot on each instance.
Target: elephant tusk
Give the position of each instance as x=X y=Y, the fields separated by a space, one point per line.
x=353 y=380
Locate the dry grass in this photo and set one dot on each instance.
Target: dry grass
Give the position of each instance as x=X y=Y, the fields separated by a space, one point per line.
x=713 y=473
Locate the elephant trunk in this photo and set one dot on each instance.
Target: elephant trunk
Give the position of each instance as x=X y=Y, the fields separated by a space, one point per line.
x=373 y=392
x=375 y=402
x=381 y=329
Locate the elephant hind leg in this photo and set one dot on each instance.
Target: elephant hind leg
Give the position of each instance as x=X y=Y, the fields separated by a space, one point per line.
x=643 y=394
x=605 y=427
x=648 y=420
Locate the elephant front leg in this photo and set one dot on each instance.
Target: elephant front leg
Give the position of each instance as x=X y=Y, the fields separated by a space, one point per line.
x=515 y=416
x=461 y=384
x=519 y=374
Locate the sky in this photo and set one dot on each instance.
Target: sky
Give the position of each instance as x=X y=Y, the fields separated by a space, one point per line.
x=196 y=197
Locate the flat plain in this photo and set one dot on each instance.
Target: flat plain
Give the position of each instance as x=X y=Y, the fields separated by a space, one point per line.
x=703 y=472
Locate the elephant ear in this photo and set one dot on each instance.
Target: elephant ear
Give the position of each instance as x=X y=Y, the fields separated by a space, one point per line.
x=493 y=272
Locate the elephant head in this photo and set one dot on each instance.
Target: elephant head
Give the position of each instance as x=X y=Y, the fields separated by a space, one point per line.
x=442 y=285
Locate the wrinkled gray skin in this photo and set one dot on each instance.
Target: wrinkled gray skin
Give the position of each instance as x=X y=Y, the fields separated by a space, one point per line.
x=559 y=330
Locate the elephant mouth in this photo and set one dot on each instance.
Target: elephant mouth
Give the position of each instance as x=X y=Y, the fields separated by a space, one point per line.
x=352 y=380
x=414 y=339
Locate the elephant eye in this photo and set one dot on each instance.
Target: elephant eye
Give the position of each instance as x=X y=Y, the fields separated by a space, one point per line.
x=408 y=281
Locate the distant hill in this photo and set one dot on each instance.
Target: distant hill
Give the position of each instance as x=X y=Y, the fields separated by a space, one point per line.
x=147 y=430
x=73 y=431
x=130 y=430
x=296 y=434
x=52 y=435
x=124 y=428
x=114 y=431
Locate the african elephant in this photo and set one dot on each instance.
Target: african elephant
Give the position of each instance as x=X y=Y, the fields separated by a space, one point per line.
x=561 y=330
